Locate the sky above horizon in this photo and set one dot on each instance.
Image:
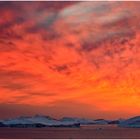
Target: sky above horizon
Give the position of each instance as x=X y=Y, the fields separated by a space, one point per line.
x=78 y=59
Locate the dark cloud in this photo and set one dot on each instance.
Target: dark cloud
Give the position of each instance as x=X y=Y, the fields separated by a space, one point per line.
x=50 y=35
x=61 y=68
x=14 y=73
x=70 y=44
x=22 y=9
x=10 y=35
x=21 y=12
x=11 y=5
x=41 y=93
x=53 y=5
x=11 y=23
x=44 y=24
x=88 y=46
x=7 y=46
x=112 y=38
x=14 y=86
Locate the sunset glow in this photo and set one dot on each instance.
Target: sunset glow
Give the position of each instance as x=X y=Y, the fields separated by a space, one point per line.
x=77 y=59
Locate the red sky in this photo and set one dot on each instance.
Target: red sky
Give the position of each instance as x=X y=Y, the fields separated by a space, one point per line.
x=78 y=59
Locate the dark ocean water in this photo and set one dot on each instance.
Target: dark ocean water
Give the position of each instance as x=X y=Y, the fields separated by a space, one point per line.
x=84 y=132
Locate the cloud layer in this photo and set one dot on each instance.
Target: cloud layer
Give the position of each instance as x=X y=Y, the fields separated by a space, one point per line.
x=82 y=52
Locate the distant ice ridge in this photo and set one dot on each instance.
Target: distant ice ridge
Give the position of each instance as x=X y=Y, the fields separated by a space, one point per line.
x=36 y=121
x=77 y=120
x=85 y=121
x=132 y=122
x=46 y=121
